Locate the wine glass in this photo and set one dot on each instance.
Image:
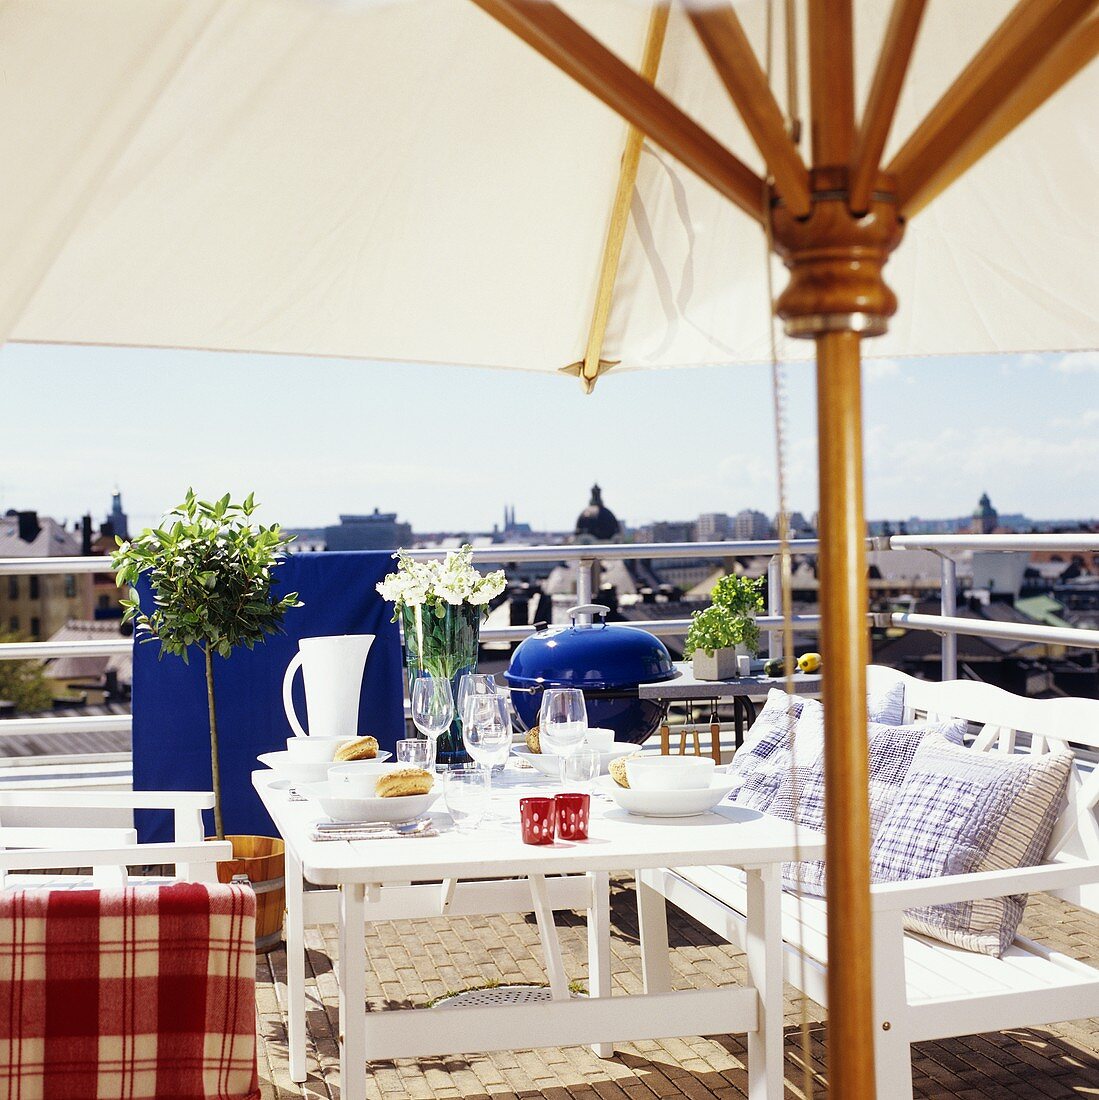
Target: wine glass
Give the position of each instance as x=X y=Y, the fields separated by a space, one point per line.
x=562 y=720
x=486 y=730
x=470 y=685
x=432 y=706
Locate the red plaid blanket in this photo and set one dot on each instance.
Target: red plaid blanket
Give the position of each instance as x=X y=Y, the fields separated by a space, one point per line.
x=132 y=994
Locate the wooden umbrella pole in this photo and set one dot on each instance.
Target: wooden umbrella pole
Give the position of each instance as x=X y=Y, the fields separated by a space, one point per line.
x=844 y=642
x=835 y=295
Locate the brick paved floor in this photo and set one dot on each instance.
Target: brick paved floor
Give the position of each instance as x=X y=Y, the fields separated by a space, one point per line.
x=420 y=960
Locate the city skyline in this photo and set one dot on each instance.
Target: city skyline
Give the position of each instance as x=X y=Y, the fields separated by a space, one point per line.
x=321 y=437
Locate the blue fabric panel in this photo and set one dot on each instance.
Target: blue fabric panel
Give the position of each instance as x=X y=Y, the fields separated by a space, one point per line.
x=170 y=732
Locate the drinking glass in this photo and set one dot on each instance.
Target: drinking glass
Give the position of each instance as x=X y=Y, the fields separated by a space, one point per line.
x=418 y=752
x=562 y=720
x=486 y=730
x=466 y=793
x=470 y=685
x=580 y=768
x=432 y=705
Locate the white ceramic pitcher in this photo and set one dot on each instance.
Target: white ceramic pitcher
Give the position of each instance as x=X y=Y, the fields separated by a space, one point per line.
x=333 y=671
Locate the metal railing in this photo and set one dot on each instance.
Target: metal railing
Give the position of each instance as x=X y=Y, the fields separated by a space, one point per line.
x=947 y=624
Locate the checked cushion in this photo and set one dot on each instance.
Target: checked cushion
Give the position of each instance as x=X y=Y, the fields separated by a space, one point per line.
x=130 y=994
x=800 y=794
x=758 y=768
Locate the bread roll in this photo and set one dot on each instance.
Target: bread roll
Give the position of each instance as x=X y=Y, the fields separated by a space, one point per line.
x=362 y=748
x=403 y=781
x=617 y=769
x=533 y=743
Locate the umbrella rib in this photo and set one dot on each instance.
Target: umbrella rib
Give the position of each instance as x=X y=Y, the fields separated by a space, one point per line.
x=593 y=364
x=1032 y=30
x=881 y=103
x=1054 y=72
x=562 y=41
x=831 y=82
x=722 y=34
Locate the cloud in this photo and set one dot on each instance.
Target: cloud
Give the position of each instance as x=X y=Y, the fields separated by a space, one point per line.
x=1014 y=468
x=878 y=369
x=1078 y=362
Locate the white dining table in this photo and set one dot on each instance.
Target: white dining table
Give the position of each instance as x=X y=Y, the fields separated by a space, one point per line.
x=492 y=871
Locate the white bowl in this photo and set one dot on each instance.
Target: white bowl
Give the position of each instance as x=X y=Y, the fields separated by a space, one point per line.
x=669 y=773
x=343 y=807
x=600 y=739
x=689 y=803
x=315 y=748
x=359 y=777
x=549 y=763
x=301 y=771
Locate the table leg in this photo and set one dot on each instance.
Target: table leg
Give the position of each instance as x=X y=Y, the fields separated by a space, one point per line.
x=547 y=932
x=295 y=967
x=652 y=924
x=352 y=981
x=763 y=949
x=599 y=946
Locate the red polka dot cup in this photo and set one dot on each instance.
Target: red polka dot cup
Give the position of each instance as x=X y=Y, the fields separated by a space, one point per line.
x=573 y=812
x=537 y=818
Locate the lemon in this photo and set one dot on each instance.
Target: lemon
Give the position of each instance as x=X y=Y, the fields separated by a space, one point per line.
x=809 y=662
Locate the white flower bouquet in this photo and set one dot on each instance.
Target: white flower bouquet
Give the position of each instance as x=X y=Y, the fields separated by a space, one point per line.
x=440 y=584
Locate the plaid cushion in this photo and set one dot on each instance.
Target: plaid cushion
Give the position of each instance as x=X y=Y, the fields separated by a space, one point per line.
x=764 y=758
x=759 y=763
x=891 y=750
x=133 y=994
x=887 y=705
x=960 y=811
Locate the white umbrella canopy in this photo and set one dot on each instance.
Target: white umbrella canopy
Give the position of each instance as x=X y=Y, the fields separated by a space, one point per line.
x=409 y=181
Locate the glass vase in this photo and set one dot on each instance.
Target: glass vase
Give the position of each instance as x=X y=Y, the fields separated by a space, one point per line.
x=443 y=645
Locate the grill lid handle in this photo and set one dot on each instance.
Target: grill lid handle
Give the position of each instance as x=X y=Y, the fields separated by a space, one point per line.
x=589 y=609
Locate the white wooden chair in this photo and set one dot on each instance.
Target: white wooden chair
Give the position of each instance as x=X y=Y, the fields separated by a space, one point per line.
x=106 y=850
x=946 y=991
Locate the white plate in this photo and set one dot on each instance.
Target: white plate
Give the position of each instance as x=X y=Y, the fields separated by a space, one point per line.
x=667 y=803
x=340 y=807
x=303 y=771
x=549 y=763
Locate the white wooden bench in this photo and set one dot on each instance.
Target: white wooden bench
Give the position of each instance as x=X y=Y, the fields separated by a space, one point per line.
x=39 y=843
x=946 y=991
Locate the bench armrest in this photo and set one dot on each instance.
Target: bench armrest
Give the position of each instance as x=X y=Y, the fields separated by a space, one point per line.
x=982 y=884
x=56 y=859
x=109 y=800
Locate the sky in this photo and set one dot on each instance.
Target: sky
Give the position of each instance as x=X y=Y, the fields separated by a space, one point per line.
x=447 y=449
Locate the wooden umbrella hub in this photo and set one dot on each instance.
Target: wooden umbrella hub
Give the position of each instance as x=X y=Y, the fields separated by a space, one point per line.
x=835 y=258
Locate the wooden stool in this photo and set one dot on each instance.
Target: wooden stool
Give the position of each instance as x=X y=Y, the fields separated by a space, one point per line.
x=689 y=728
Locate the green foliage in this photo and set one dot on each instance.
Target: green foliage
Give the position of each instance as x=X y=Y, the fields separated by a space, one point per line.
x=211 y=571
x=211 y=568
x=730 y=620
x=24 y=683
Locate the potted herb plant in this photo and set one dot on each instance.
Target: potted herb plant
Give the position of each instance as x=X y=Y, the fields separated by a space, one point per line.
x=725 y=629
x=211 y=569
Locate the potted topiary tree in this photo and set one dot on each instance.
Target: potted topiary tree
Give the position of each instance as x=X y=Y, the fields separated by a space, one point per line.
x=725 y=629
x=211 y=570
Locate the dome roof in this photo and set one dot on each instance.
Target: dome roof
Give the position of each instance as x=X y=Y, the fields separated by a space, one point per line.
x=597 y=521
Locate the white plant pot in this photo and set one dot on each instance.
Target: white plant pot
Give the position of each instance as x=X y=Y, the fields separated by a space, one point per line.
x=721 y=666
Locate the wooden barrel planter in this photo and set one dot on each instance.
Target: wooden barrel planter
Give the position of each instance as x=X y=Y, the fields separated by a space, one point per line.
x=260 y=861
